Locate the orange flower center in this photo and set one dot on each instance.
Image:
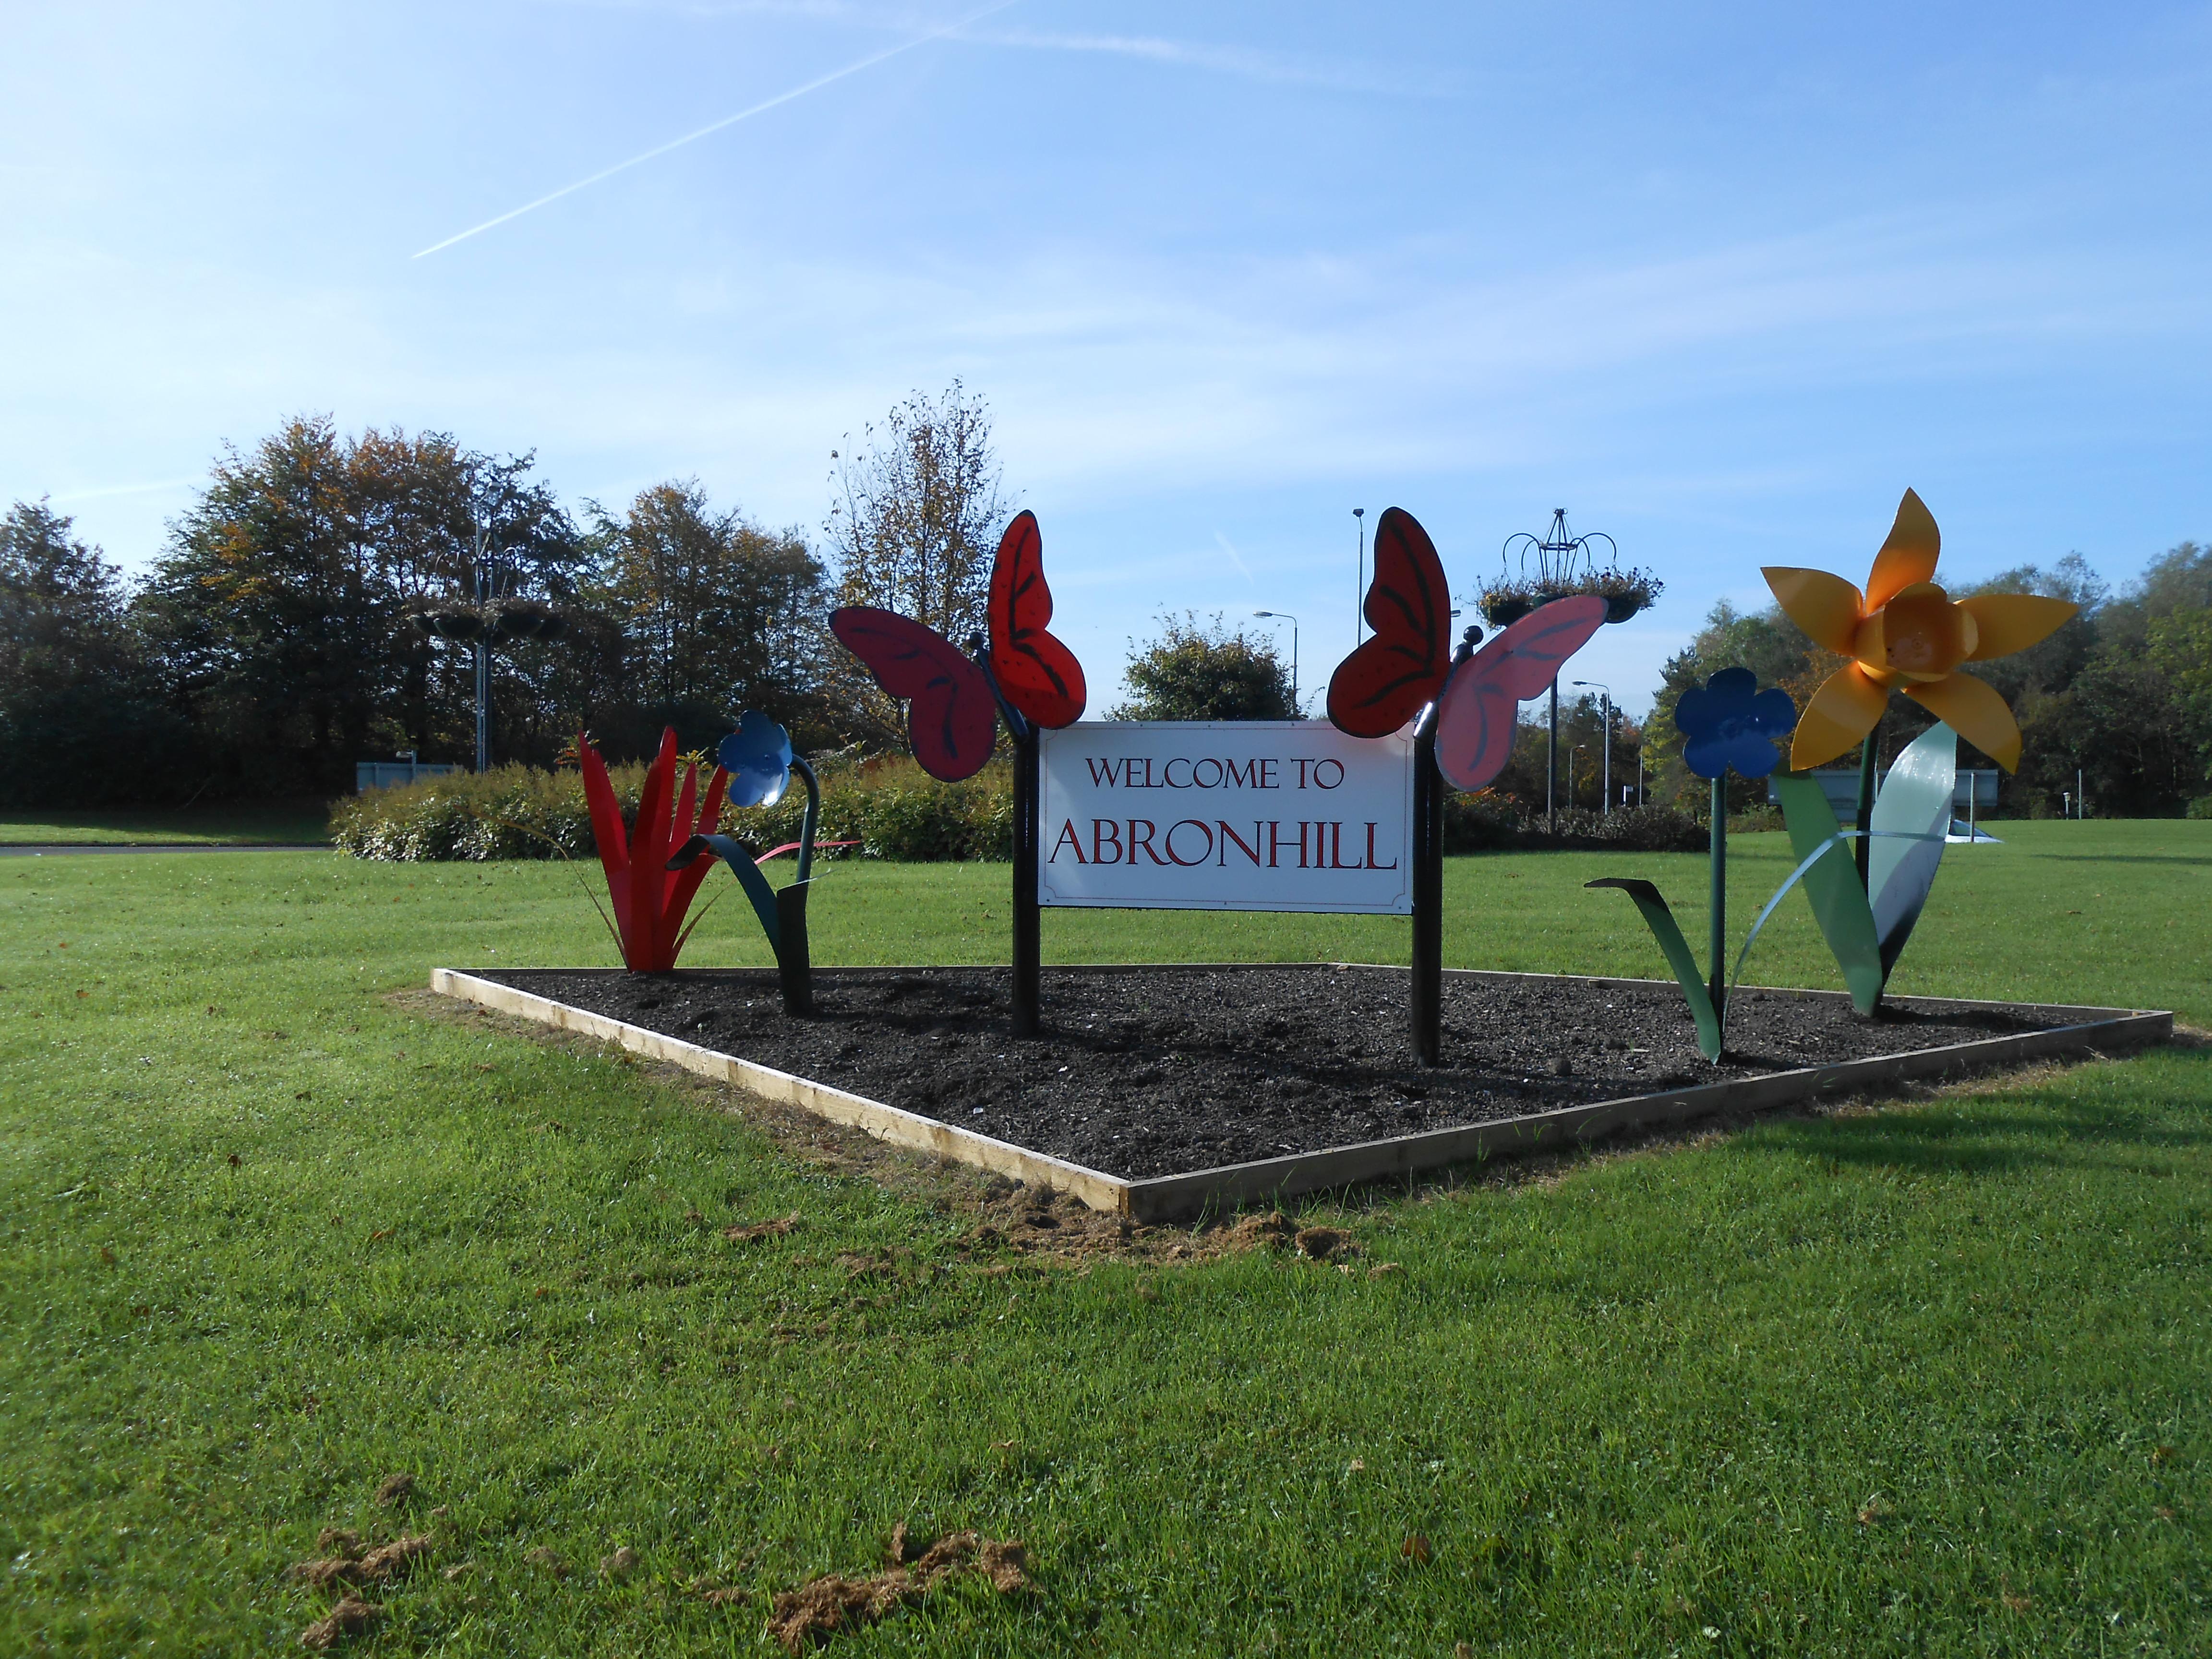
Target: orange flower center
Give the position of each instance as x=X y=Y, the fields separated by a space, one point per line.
x=1919 y=636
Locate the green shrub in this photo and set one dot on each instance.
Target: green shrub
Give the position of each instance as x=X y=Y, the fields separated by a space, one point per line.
x=1488 y=824
x=1479 y=823
x=892 y=808
x=2201 y=807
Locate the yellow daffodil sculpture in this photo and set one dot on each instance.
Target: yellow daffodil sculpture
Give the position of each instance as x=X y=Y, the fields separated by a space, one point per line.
x=1906 y=634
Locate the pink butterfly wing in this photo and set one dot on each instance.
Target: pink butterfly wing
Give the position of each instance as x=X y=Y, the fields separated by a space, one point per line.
x=1476 y=714
x=952 y=719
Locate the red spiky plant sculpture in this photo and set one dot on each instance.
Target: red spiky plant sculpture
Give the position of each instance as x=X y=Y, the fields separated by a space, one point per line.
x=650 y=900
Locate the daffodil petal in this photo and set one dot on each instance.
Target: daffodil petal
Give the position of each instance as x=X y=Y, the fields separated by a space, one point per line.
x=1973 y=708
x=1908 y=555
x=1847 y=706
x=2013 y=621
x=1827 y=607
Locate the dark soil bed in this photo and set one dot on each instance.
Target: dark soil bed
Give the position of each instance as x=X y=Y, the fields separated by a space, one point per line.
x=1166 y=1071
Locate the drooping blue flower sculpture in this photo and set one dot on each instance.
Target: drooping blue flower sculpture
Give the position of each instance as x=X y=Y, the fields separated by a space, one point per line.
x=757 y=756
x=760 y=761
x=1728 y=725
x=1731 y=725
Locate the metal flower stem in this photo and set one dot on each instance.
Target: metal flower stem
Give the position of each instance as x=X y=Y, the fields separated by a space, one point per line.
x=1719 y=982
x=806 y=823
x=1866 y=805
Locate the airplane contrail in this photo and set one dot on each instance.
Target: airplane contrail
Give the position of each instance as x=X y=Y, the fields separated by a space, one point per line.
x=819 y=81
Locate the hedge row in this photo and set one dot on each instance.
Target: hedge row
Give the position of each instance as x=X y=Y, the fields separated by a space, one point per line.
x=892 y=809
x=1490 y=824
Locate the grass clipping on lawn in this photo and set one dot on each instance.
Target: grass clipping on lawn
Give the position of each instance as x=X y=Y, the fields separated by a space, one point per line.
x=823 y=1606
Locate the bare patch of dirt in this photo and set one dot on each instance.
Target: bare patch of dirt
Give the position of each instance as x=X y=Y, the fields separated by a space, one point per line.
x=1325 y=1243
x=352 y=1565
x=747 y=1233
x=350 y=1617
x=394 y=1487
x=546 y=1558
x=822 y=1606
x=1058 y=1229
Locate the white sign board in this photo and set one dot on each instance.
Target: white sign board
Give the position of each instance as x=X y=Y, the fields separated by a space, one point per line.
x=1226 y=815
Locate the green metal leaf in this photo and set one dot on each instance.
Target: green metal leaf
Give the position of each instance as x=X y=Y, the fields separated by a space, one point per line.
x=739 y=857
x=1668 y=933
x=1831 y=887
x=1912 y=816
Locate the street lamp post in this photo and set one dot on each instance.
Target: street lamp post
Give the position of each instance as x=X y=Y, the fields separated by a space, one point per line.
x=1298 y=703
x=1557 y=554
x=1605 y=742
x=492 y=617
x=1359 y=587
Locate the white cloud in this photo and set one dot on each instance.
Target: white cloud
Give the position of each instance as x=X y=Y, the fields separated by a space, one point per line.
x=1245 y=62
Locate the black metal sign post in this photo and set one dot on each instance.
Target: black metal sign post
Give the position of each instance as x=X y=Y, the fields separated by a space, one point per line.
x=1028 y=850
x=1428 y=874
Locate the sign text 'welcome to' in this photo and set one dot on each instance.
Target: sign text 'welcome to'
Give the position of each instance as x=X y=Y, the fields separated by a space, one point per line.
x=1276 y=815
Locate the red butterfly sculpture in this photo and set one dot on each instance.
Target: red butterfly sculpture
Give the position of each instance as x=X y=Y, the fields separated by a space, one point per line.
x=1476 y=715
x=953 y=699
x=1385 y=682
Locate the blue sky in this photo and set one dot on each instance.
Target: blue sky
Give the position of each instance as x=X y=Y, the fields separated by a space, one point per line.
x=1720 y=279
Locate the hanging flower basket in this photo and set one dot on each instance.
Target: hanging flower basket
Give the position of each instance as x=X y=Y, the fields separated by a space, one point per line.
x=449 y=621
x=1626 y=592
x=524 y=619
x=1503 y=606
x=502 y=619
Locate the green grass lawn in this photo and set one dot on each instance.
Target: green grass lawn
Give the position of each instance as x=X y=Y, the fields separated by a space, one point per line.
x=1928 y=1380
x=251 y=821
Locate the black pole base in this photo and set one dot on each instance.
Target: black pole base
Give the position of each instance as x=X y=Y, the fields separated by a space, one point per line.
x=1428 y=872
x=1027 y=946
x=794 y=961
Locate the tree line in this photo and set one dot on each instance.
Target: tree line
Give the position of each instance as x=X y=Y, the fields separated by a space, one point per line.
x=2117 y=703
x=272 y=643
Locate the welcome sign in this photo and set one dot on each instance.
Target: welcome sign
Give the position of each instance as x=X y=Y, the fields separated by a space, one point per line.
x=1226 y=814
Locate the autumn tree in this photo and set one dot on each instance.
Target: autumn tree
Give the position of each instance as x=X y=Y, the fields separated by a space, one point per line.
x=280 y=607
x=718 y=615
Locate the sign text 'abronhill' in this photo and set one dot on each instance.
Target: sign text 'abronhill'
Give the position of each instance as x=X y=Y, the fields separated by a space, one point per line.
x=1226 y=815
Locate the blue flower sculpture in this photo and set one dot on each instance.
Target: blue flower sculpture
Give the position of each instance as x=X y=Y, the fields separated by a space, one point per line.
x=1731 y=723
x=758 y=758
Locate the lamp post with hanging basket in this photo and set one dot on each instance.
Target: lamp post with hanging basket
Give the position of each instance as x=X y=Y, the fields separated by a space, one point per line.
x=1563 y=564
x=494 y=617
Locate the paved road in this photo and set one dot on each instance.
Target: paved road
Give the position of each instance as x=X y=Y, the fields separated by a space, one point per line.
x=44 y=849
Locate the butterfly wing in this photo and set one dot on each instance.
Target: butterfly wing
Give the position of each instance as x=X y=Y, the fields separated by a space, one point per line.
x=1476 y=715
x=952 y=719
x=1383 y=683
x=1037 y=673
